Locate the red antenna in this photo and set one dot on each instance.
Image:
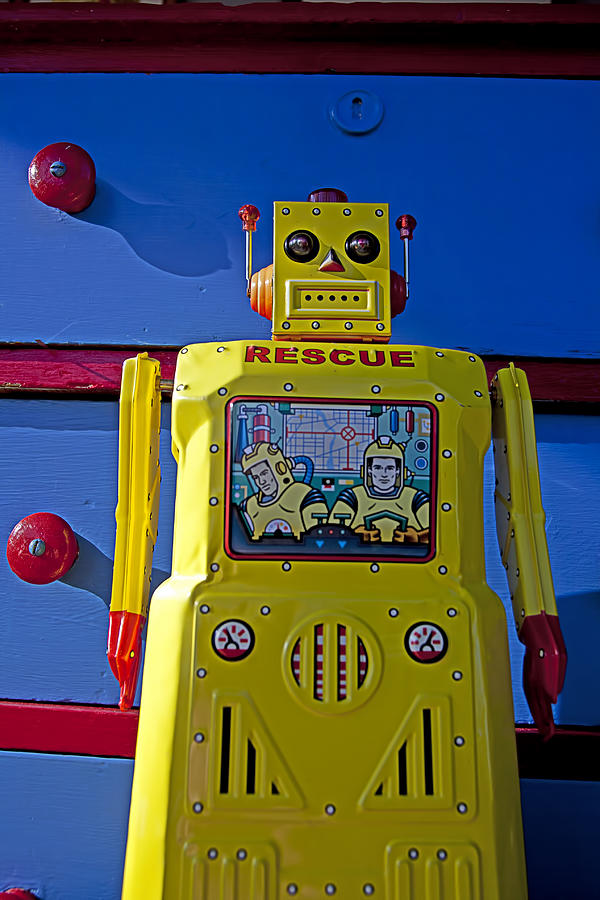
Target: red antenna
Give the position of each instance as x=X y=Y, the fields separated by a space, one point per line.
x=249 y=215
x=406 y=225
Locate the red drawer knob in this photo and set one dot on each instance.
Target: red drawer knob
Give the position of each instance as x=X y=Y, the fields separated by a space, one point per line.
x=63 y=175
x=41 y=548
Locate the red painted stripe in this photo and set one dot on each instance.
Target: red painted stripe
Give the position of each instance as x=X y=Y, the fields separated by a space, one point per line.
x=72 y=370
x=559 y=381
x=460 y=14
x=79 y=371
x=397 y=38
x=64 y=728
x=107 y=731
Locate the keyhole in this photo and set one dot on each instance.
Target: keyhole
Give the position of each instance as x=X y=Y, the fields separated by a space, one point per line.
x=357 y=108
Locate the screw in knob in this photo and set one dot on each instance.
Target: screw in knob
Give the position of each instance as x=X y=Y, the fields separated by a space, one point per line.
x=58 y=169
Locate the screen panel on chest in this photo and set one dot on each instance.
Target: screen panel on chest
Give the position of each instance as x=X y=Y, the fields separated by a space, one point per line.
x=329 y=479
x=324 y=453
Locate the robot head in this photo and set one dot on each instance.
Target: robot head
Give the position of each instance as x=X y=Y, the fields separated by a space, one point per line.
x=269 y=468
x=331 y=269
x=383 y=467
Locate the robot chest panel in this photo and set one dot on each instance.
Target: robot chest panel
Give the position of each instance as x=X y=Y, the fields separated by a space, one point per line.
x=312 y=686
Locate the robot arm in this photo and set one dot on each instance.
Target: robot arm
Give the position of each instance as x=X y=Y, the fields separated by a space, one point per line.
x=136 y=515
x=520 y=521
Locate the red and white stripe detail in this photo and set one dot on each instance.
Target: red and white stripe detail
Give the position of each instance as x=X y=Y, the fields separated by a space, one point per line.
x=346 y=679
x=318 y=662
x=342 y=664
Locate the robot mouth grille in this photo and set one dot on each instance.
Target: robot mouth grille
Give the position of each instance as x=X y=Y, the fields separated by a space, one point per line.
x=330 y=662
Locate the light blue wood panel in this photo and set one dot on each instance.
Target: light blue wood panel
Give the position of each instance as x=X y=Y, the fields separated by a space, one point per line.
x=502 y=175
x=61 y=456
x=561 y=820
x=64 y=825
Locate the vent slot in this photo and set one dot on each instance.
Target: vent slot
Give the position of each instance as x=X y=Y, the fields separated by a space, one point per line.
x=225 y=749
x=416 y=769
x=247 y=769
x=427 y=752
x=402 y=774
x=251 y=769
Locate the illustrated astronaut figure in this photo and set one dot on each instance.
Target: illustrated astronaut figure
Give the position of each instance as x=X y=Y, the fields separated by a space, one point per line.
x=383 y=508
x=281 y=504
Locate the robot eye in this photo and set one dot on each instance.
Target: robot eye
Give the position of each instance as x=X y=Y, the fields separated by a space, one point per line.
x=362 y=247
x=301 y=246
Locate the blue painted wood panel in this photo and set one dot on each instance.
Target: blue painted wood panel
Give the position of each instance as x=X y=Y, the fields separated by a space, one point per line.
x=61 y=456
x=64 y=825
x=561 y=821
x=502 y=175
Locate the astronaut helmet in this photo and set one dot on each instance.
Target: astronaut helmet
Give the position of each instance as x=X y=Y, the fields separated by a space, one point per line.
x=382 y=471
x=270 y=470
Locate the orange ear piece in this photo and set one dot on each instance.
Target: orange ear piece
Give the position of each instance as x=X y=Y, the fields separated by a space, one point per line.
x=261 y=292
x=398 y=293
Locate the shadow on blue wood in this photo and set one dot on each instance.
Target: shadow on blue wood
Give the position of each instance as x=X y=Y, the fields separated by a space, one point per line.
x=580 y=623
x=93 y=571
x=169 y=237
x=62 y=457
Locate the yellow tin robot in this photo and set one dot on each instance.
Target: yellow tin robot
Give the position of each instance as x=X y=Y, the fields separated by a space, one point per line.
x=326 y=705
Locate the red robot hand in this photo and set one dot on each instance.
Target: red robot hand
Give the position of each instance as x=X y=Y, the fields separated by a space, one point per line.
x=544 y=667
x=124 y=652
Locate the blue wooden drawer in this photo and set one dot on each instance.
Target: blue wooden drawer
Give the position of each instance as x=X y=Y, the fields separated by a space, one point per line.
x=62 y=457
x=501 y=173
x=64 y=825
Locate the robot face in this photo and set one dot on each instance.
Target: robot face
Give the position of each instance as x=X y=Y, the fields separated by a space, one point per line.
x=331 y=272
x=384 y=471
